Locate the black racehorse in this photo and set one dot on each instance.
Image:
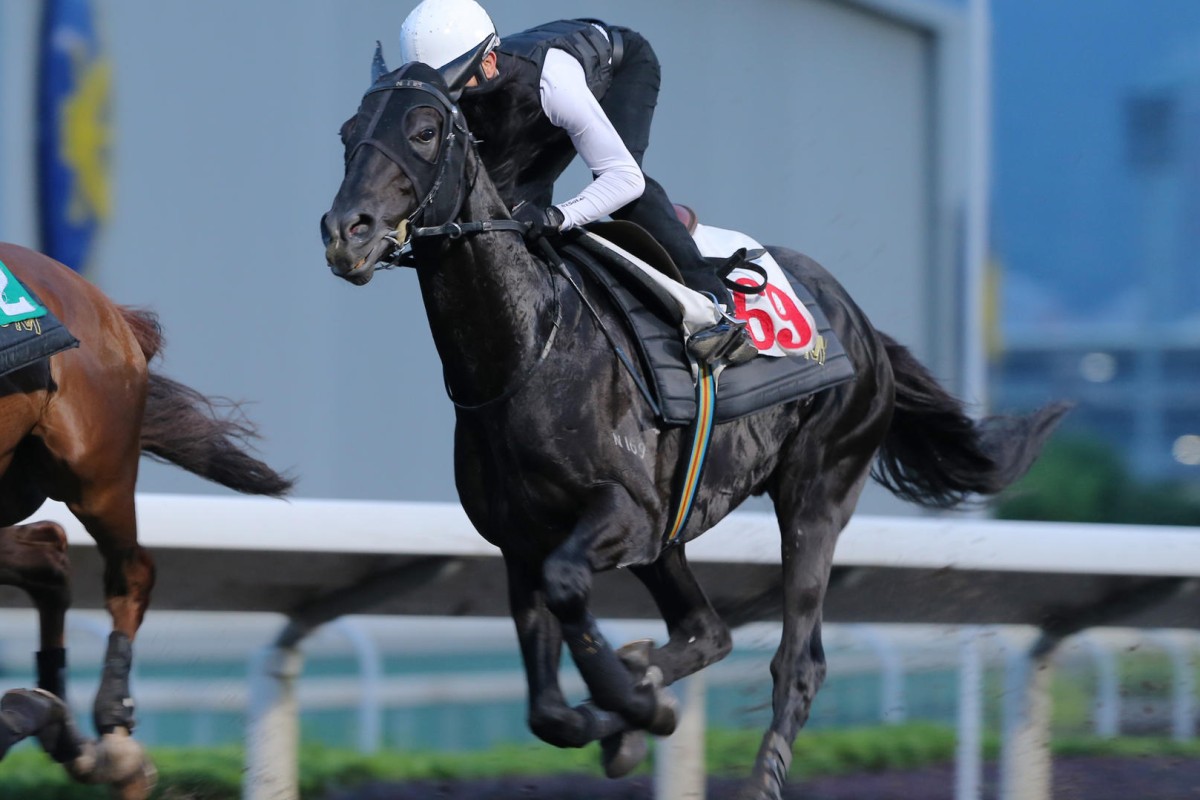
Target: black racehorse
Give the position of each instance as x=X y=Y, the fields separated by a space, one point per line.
x=539 y=395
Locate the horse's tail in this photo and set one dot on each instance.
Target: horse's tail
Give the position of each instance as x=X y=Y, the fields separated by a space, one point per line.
x=146 y=329
x=936 y=456
x=205 y=436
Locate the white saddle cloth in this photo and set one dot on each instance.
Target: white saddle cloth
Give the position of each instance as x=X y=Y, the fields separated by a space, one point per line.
x=778 y=322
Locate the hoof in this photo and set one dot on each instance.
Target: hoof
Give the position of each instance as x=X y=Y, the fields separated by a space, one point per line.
x=38 y=713
x=58 y=735
x=22 y=714
x=760 y=793
x=666 y=707
x=647 y=677
x=622 y=752
x=27 y=710
x=138 y=786
x=46 y=533
x=770 y=769
x=116 y=759
x=636 y=656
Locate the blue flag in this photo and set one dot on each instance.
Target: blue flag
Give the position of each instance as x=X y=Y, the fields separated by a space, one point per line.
x=74 y=86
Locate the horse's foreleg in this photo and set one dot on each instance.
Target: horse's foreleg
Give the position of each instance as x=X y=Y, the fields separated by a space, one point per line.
x=598 y=541
x=697 y=637
x=551 y=719
x=697 y=634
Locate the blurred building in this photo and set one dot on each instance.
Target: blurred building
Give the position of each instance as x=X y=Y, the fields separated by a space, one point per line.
x=1115 y=323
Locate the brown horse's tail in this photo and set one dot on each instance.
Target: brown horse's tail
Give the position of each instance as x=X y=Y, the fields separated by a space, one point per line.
x=937 y=456
x=205 y=436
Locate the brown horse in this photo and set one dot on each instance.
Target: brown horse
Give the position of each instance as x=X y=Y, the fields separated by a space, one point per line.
x=73 y=428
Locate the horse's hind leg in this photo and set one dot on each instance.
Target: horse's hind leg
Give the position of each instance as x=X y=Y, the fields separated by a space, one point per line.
x=697 y=634
x=34 y=558
x=812 y=510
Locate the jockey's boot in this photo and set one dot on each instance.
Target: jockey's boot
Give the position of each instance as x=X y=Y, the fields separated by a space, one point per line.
x=728 y=341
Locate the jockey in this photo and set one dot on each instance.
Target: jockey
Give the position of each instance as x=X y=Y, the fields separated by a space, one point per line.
x=538 y=98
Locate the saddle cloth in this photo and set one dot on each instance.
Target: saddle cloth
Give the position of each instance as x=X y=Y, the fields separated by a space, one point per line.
x=779 y=323
x=29 y=331
x=654 y=320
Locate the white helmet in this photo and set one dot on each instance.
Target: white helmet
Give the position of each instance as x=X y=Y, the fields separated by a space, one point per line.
x=438 y=31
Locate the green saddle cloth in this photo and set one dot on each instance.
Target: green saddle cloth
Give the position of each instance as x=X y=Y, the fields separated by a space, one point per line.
x=29 y=332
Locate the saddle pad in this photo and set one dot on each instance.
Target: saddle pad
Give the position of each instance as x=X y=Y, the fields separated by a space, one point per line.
x=29 y=331
x=745 y=389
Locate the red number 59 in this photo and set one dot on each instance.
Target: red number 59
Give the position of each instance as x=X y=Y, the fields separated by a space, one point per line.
x=797 y=333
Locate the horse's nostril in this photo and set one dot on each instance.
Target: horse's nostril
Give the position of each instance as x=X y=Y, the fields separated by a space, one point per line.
x=358 y=226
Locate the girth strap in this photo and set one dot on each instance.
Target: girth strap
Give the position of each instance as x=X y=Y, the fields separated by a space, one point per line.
x=689 y=480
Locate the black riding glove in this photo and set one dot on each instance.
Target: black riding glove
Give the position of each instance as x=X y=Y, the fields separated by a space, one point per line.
x=541 y=221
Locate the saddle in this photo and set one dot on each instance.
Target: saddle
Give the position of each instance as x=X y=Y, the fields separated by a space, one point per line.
x=653 y=319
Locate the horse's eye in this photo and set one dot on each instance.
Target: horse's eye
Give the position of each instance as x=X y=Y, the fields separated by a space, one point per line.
x=426 y=135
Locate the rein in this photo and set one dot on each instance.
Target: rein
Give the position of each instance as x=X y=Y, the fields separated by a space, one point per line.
x=455 y=230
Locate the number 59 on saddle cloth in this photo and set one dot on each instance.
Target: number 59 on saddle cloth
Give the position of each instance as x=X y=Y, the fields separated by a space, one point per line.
x=29 y=332
x=778 y=321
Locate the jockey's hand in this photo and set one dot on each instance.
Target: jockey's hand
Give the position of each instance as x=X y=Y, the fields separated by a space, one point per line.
x=541 y=221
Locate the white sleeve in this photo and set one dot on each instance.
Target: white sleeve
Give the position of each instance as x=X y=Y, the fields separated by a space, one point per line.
x=570 y=104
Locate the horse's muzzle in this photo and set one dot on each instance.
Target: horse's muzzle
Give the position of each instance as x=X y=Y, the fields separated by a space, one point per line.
x=353 y=247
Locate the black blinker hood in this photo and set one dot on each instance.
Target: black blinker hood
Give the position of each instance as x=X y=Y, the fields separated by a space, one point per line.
x=383 y=129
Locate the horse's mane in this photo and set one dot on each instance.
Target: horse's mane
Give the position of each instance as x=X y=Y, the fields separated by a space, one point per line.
x=507 y=119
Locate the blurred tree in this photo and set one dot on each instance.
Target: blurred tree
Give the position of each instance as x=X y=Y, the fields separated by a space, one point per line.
x=1081 y=479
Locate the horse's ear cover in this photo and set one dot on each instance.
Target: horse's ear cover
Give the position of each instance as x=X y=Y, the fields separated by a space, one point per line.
x=378 y=65
x=466 y=66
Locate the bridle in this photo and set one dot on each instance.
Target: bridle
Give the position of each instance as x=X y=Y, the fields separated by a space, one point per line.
x=438 y=207
x=439 y=210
